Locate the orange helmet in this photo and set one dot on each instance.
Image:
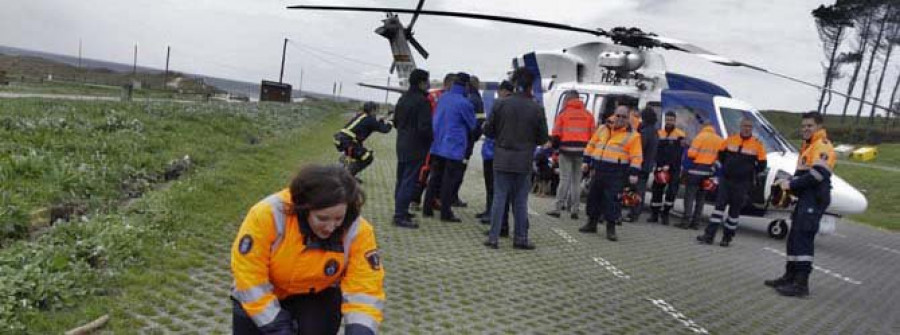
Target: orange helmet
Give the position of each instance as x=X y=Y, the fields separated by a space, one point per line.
x=780 y=198
x=630 y=198
x=709 y=185
x=662 y=177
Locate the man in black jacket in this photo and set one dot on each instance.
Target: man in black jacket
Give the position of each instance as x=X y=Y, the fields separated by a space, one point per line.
x=350 y=139
x=412 y=117
x=518 y=125
x=649 y=143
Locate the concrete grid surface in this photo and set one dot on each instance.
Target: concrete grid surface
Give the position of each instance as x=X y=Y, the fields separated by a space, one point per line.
x=655 y=280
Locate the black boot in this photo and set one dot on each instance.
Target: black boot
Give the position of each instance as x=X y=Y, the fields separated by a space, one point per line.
x=683 y=223
x=726 y=240
x=611 y=231
x=654 y=216
x=665 y=218
x=589 y=227
x=694 y=224
x=786 y=278
x=799 y=287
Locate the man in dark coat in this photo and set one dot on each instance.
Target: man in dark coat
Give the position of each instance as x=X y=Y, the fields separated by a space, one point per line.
x=518 y=125
x=412 y=118
x=649 y=143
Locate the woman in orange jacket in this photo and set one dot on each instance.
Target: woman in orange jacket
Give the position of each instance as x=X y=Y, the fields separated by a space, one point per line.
x=304 y=259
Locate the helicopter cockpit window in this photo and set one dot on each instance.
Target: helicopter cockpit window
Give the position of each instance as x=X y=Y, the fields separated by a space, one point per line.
x=772 y=141
x=607 y=104
x=686 y=119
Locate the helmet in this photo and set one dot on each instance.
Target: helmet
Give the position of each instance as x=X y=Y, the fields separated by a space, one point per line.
x=662 y=177
x=780 y=198
x=630 y=198
x=709 y=185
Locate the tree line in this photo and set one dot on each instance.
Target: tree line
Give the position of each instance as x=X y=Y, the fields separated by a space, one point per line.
x=858 y=40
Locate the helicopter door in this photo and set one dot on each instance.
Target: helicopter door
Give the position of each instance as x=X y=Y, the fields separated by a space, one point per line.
x=606 y=105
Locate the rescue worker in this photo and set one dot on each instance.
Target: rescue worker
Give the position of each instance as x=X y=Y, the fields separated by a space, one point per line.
x=811 y=184
x=518 y=125
x=504 y=90
x=572 y=129
x=615 y=153
x=425 y=172
x=453 y=121
x=303 y=259
x=349 y=139
x=649 y=144
x=413 y=121
x=741 y=157
x=668 y=159
x=702 y=156
x=474 y=97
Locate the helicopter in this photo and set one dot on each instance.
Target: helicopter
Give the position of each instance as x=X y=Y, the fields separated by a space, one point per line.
x=629 y=70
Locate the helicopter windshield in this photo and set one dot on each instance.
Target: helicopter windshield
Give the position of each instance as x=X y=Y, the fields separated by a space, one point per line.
x=761 y=129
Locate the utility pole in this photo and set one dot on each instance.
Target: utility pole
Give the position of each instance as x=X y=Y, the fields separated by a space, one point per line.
x=386 y=92
x=134 y=67
x=166 y=77
x=283 y=54
x=340 y=88
x=334 y=91
x=79 y=60
x=300 y=89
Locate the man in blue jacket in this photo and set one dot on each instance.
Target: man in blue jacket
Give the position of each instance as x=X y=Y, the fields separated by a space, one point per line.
x=453 y=122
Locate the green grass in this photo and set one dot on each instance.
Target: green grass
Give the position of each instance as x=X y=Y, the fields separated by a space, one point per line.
x=148 y=247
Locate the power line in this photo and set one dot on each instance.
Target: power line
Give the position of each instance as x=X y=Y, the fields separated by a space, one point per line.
x=305 y=46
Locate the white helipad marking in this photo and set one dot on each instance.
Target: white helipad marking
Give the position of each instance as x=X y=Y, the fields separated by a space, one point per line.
x=687 y=322
x=839 y=235
x=564 y=235
x=611 y=268
x=884 y=248
x=823 y=270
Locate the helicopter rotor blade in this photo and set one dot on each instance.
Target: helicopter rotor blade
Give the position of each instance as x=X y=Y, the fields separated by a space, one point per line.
x=673 y=44
x=415 y=17
x=507 y=19
x=412 y=40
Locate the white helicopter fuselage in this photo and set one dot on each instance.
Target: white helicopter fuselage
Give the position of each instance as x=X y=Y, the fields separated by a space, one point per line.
x=582 y=68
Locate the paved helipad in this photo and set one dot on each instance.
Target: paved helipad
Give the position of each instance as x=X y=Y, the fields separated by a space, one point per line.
x=656 y=279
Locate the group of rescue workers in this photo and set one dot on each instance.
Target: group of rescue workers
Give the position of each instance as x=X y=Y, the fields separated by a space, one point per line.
x=304 y=258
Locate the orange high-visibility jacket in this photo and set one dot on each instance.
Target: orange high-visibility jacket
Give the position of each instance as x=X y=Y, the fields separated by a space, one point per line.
x=573 y=127
x=817 y=156
x=742 y=158
x=670 y=148
x=704 y=151
x=616 y=146
x=270 y=261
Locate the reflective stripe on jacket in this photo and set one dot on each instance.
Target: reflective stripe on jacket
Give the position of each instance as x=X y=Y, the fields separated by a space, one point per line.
x=573 y=127
x=616 y=146
x=742 y=158
x=270 y=261
x=671 y=148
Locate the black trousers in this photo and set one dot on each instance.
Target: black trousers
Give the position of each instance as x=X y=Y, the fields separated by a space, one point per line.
x=694 y=198
x=605 y=195
x=731 y=194
x=804 y=226
x=318 y=313
x=445 y=177
x=489 y=194
x=405 y=187
x=664 y=194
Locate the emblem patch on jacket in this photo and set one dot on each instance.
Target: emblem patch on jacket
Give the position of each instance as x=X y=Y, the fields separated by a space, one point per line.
x=246 y=244
x=331 y=267
x=374 y=259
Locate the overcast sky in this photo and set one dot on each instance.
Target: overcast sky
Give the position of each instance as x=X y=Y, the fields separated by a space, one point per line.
x=242 y=39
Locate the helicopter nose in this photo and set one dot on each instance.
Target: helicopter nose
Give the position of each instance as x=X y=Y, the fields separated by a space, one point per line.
x=846 y=199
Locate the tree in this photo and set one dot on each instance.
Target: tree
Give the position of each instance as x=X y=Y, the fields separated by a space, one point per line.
x=863 y=18
x=892 y=40
x=882 y=26
x=831 y=22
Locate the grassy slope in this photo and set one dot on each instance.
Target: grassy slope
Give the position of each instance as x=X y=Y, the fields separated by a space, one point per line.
x=147 y=243
x=879 y=186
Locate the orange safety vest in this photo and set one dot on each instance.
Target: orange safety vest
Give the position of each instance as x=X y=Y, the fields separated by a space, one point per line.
x=735 y=144
x=742 y=157
x=270 y=262
x=573 y=127
x=616 y=146
x=704 y=149
x=818 y=151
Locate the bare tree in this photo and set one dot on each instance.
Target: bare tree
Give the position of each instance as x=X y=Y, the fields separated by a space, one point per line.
x=831 y=22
